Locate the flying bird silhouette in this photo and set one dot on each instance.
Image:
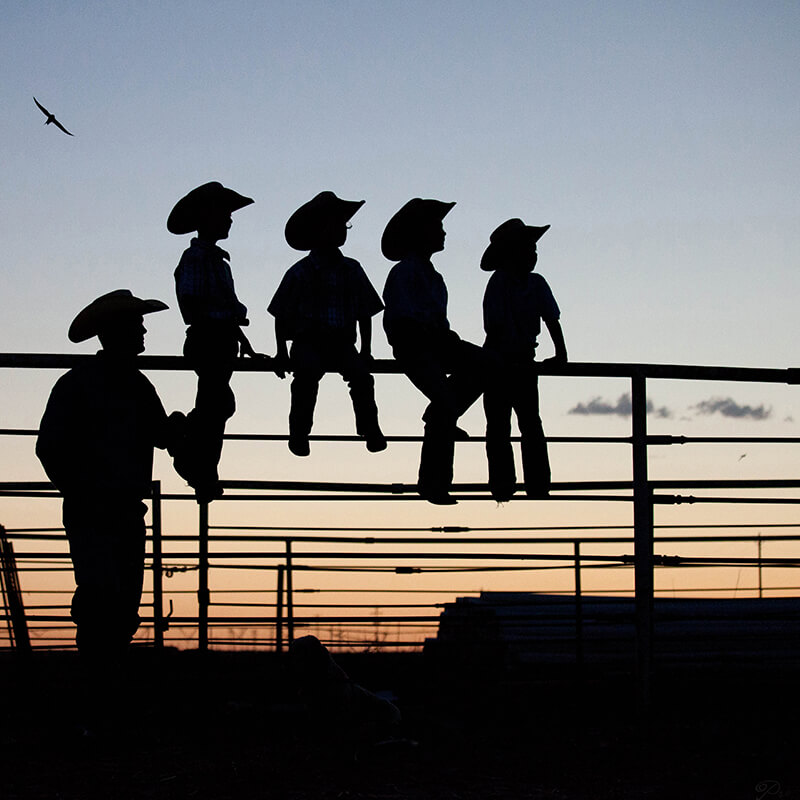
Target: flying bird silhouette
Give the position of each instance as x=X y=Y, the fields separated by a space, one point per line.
x=51 y=118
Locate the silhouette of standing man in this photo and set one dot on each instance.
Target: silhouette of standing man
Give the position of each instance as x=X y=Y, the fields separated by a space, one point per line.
x=96 y=442
x=416 y=325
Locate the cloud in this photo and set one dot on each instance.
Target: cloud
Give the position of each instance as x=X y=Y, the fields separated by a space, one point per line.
x=622 y=408
x=728 y=407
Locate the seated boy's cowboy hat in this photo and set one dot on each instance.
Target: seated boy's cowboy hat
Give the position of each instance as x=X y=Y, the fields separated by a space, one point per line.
x=402 y=227
x=107 y=309
x=302 y=227
x=510 y=237
x=185 y=215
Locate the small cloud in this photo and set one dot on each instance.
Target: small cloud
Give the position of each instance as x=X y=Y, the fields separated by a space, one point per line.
x=622 y=408
x=728 y=407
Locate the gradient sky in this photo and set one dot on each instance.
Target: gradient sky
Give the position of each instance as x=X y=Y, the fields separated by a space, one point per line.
x=659 y=140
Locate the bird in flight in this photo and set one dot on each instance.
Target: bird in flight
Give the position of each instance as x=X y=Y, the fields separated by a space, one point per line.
x=51 y=118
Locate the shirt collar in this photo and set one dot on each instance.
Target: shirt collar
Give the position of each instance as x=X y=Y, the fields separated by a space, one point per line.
x=212 y=247
x=325 y=258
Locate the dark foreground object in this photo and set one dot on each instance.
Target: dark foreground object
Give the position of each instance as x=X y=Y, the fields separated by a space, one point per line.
x=230 y=725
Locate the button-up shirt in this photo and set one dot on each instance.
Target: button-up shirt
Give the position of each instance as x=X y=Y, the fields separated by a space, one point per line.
x=204 y=285
x=97 y=435
x=514 y=305
x=324 y=292
x=415 y=296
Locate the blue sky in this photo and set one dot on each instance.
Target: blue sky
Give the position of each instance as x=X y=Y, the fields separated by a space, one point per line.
x=659 y=140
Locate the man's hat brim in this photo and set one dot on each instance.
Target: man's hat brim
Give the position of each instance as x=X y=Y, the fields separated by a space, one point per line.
x=303 y=226
x=186 y=214
x=398 y=235
x=106 y=310
x=507 y=238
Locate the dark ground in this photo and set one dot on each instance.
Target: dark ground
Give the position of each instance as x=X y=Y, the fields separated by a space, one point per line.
x=228 y=725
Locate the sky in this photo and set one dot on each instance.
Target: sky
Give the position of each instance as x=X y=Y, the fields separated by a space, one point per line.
x=659 y=141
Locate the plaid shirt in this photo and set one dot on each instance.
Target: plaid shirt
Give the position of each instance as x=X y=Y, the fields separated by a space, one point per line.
x=204 y=285
x=416 y=299
x=320 y=294
x=514 y=306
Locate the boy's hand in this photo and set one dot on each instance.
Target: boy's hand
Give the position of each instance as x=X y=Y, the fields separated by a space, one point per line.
x=281 y=364
x=246 y=349
x=558 y=360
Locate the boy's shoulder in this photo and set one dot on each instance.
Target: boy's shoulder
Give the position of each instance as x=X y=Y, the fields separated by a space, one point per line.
x=198 y=253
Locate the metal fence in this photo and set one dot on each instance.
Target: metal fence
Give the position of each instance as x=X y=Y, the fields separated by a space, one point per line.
x=370 y=596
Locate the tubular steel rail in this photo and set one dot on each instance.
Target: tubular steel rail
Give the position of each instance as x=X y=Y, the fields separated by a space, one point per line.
x=641 y=491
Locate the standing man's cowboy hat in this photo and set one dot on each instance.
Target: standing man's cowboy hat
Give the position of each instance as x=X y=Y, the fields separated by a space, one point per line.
x=402 y=227
x=302 y=227
x=510 y=236
x=107 y=309
x=185 y=215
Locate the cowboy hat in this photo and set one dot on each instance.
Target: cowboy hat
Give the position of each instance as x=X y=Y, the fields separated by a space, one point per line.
x=106 y=309
x=184 y=216
x=403 y=225
x=508 y=237
x=302 y=227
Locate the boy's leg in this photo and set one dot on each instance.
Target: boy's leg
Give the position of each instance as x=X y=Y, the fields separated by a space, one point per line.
x=499 y=452
x=424 y=368
x=212 y=354
x=535 y=461
x=469 y=367
x=307 y=370
x=436 y=463
x=361 y=384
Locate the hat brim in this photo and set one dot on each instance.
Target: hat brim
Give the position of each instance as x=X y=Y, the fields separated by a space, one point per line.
x=303 y=226
x=185 y=216
x=498 y=252
x=399 y=231
x=107 y=309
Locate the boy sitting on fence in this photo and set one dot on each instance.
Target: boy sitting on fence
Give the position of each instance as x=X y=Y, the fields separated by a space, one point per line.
x=214 y=338
x=319 y=304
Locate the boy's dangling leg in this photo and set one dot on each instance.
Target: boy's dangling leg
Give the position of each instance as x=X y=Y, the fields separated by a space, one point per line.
x=362 y=393
x=214 y=406
x=436 y=463
x=305 y=387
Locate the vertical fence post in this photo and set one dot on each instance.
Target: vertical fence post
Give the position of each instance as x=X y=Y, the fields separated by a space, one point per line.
x=643 y=543
x=202 y=579
x=279 y=611
x=158 y=572
x=289 y=596
x=12 y=595
x=578 y=608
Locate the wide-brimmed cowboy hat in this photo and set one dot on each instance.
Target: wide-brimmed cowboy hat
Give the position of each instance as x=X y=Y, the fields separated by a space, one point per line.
x=186 y=214
x=107 y=309
x=403 y=226
x=303 y=226
x=510 y=237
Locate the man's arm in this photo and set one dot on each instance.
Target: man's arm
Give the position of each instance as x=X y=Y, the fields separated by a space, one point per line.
x=57 y=445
